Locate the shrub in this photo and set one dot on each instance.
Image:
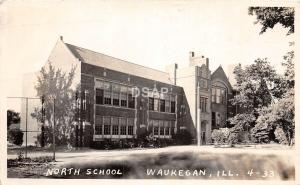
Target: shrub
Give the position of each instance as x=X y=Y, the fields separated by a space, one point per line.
x=280 y=136
x=15 y=136
x=183 y=137
x=220 y=136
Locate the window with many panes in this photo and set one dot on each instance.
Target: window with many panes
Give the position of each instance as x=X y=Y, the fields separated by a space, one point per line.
x=130 y=130
x=156 y=104
x=99 y=96
x=130 y=126
x=98 y=125
x=167 y=103
x=123 y=98
x=203 y=83
x=106 y=129
x=161 y=131
x=218 y=95
x=106 y=122
x=123 y=125
x=213 y=94
x=115 y=125
x=115 y=130
x=173 y=104
x=213 y=118
x=223 y=96
x=160 y=127
x=123 y=130
x=116 y=92
x=107 y=97
x=167 y=131
x=155 y=130
x=161 y=102
x=131 y=101
x=203 y=104
x=151 y=103
x=116 y=100
x=162 y=106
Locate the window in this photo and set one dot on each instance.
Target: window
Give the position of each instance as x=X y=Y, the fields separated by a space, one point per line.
x=123 y=130
x=203 y=104
x=123 y=124
x=131 y=101
x=115 y=130
x=155 y=127
x=167 y=103
x=151 y=103
x=106 y=129
x=116 y=87
x=203 y=83
x=218 y=95
x=116 y=100
x=218 y=119
x=123 y=98
x=106 y=121
x=213 y=94
x=115 y=125
x=223 y=96
x=167 y=131
x=130 y=126
x=156 y=104
x=99 y=84
x=107 y=98
x=99 y=96
x=161 y=128
x=167 y=127
x=172 y=98
x=130 y=130
x=155 y=130
x=161 y=131
x=98 y=125
x=213 y=118
x=162 y=105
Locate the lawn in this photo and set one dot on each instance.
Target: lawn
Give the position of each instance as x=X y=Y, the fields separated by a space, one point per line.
x=184 y=162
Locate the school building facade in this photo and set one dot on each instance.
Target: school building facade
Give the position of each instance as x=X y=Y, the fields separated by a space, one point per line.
x=122 y=100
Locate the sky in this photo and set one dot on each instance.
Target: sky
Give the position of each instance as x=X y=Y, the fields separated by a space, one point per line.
x=149 y=33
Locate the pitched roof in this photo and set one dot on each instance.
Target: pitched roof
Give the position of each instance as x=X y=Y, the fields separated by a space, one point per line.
x=220 y=74
x=102 y=60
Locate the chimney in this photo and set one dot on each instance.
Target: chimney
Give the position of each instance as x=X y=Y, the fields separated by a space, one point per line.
x=207 y=63
x=172 y=70
x=192 y=54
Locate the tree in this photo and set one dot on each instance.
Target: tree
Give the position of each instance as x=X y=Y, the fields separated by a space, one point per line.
x=12 y=118
x=254 y=85
x=55 y=84
x=268 y=17
x=279 y=118
x=276 y=120
x=15 y=136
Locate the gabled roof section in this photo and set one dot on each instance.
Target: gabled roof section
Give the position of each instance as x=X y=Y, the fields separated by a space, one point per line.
x=220 y=75
x=102 y=60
